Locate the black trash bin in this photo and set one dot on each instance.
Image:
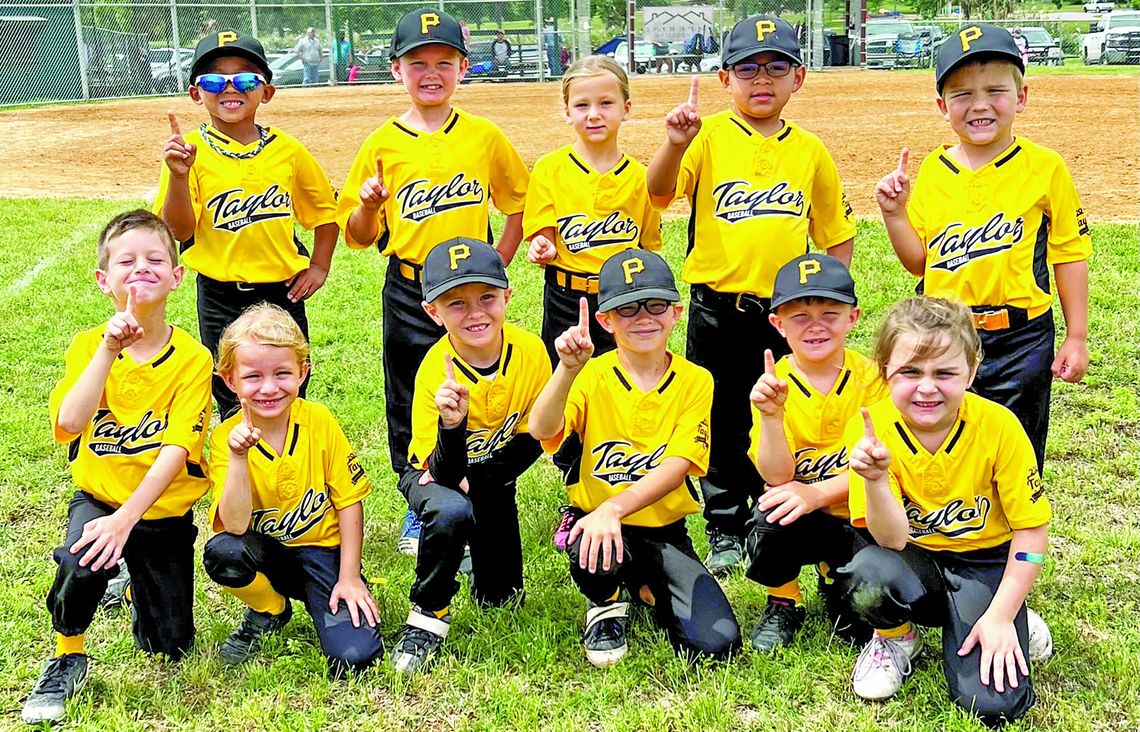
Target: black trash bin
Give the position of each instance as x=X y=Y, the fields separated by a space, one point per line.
x=840 y=50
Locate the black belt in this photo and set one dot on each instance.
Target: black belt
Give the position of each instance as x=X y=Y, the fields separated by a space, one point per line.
x=745 y=302
x=573 y=281
x=224 y=286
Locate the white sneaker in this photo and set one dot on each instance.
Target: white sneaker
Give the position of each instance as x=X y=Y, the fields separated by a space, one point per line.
x=604 y=638
x=1040 y=639
x=883 y=664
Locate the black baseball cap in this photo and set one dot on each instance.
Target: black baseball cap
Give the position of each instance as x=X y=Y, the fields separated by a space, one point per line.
x=760 y=33
x=229 y=43
x=634 y=275
x=972 y=42
x=813 y=275
x=460 y=261
x=424 y=26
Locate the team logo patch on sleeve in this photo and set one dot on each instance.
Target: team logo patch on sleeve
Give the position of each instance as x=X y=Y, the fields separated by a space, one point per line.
x=419 y=200
x=355 y=469
x=108 y=437
x=1035 y=484
x=737 y=200
x=616 y=462
x=233 y=210
x=702 y=436
x=956 y=246
x=1082 y=223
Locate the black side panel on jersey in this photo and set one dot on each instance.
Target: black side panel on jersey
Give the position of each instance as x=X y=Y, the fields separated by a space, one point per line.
x=300 y=246
x=1040 y=255
x=693 y=219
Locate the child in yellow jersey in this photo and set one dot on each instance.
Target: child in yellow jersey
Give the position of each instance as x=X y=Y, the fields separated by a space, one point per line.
x=947 y=485
x=759 y=188
x=422 y=178
x=642 y=414
x=988 y=218
x=800 y=406
x=471 y=411
x=586 y=201
x=232 y=192
x=133 y=404
x=288 y=492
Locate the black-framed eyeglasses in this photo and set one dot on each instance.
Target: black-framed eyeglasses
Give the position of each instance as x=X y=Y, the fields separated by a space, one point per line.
x=774 y=69
x=653 y=307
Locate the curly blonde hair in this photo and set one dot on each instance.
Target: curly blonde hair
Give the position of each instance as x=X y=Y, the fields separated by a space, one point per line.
x=265 y=324
x=937 y=325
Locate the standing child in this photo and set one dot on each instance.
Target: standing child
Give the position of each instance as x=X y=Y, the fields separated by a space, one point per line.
x=946 y=483
x=474 y=392
x=288 y=500
x=234 y=209
x=587 y=201
x=133 y=404
x=800 y=406
x=642 y=414
x=987 y=219
x=422 y=178
x=759 y=187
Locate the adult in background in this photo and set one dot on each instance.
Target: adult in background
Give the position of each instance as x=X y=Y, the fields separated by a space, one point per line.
x=501 y=53
x=343 y=56
x=308 y=49
x=553 y=45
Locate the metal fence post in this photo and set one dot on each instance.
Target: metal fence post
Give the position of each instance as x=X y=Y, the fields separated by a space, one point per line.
x=253 y=18
x=332 y=43
x=538 y=20
x=177 y=38
x=81 y=50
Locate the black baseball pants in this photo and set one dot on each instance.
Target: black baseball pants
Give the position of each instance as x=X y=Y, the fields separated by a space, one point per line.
x=220 y=303
x=306 y=573
x=408 y=334
x=160 y=553
x=776 y=553
x=728 y=334
x=944 y=589
x=1016 y=371
x=689 y=603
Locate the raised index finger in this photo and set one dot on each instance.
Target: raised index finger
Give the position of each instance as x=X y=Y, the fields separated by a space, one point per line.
x=246 y=414
x=769 y=362
x=131 y=301
x=174 y=128
x=693 y=88
x=868 y=426
x=379 y=169
x=449 y=366
x=583 y=316
x=904 y=157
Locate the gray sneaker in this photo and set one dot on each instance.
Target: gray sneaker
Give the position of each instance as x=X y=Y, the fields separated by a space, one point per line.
x=726 y=553
x=246 y=639
x=115 y=595
x=420 y=641
x=61 y=679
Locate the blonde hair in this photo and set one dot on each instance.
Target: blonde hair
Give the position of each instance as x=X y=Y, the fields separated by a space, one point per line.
x=981 y=61
x=937 y=326
x=263 y=324
x=590 y=66
x=136 y=220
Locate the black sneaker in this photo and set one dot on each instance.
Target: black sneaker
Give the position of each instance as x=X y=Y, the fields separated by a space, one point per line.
x=604 y=638
x=61 y=678
x=726 y=552
x=778 y=625
x=420 y=641
x=115 y=595
x=244 y=642
x=843 y=620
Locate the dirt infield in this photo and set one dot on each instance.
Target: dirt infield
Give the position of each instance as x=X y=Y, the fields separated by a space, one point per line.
x=111 y=150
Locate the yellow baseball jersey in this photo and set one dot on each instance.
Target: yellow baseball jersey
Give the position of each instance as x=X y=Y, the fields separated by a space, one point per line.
x=439 y=183
x=756 y=201
x=498 y=405
x=626 y=433
x=992 y=233
x=814 y=423
x=972 y=493
x=162 y=401
x=594 y=215
x=296 y=495
x=246 y=209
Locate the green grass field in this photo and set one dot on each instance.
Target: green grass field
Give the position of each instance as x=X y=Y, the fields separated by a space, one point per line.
x=524 y=668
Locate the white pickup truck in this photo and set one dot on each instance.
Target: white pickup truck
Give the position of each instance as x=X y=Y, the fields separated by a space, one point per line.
x=1116 y=40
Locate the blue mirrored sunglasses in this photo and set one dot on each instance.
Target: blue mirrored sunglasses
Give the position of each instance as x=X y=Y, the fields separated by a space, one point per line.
x=243 y=82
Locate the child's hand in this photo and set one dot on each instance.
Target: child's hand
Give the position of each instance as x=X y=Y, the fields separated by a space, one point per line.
x=769 y=393
x=893 y=190
x=575 y=347
x=1072 y=360
x=451 y=399
x=356 y=596
x=178 y=155
x=786 y=503
x=374 y=193
x=541 y=250
x=870 y=458
x=684 y=122
x=1001 y=652
x=123 y=329
x=244 y=435
x=428 y=478
x=106 y=535
x=601 y=536
x=305 y=284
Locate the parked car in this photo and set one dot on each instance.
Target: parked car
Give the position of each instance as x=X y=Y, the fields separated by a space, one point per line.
x=893 y=43
x=166 y=78
x=931 y=36
x=163 y=60
x=1099 y=6
x=642 y=56
x=289 y=71
x=1116 y=40
x=1041 y=47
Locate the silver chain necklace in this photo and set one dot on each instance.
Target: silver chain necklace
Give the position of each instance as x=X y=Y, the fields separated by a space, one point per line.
x=261 y=131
